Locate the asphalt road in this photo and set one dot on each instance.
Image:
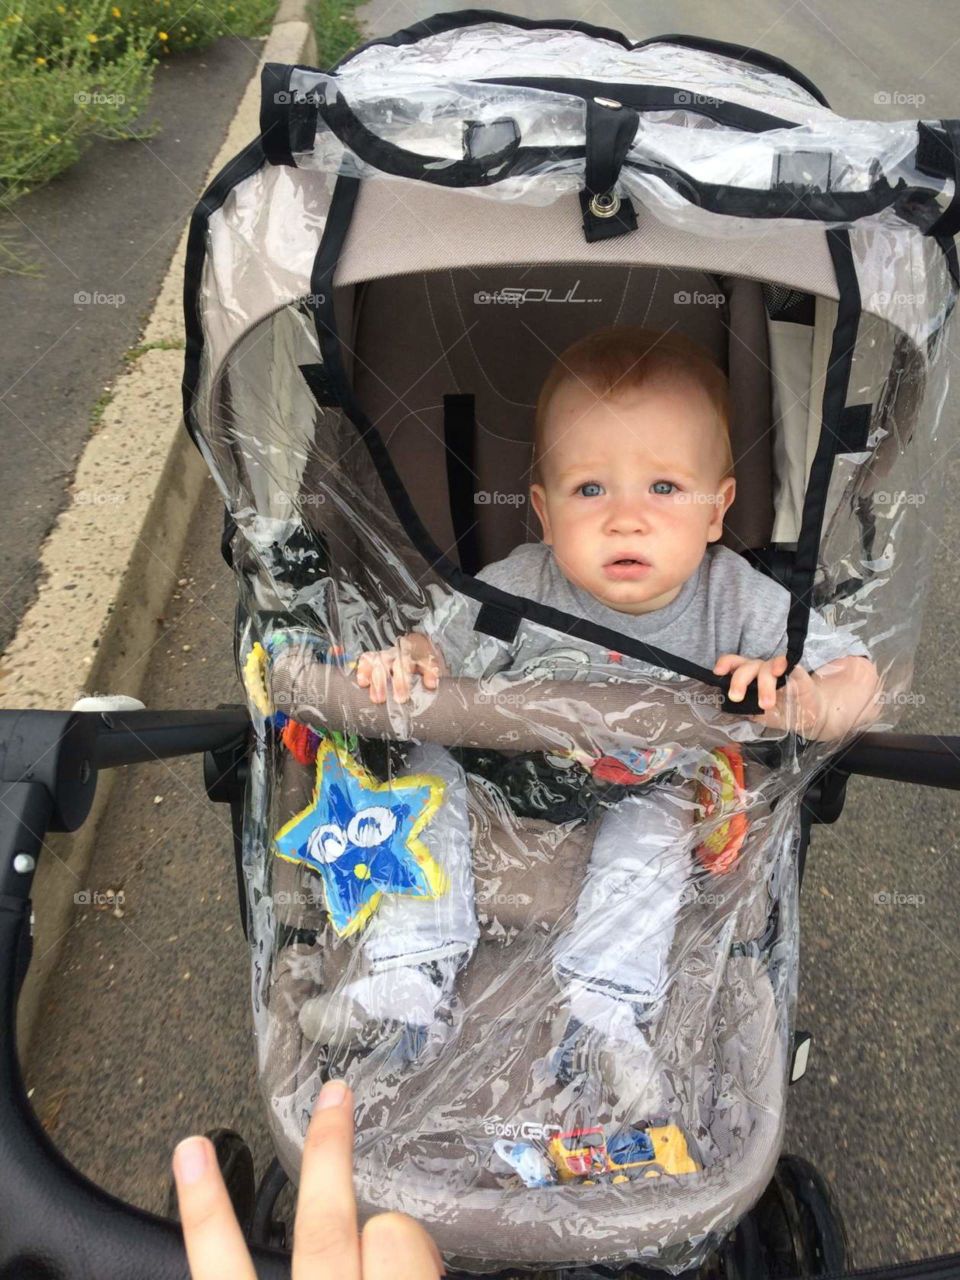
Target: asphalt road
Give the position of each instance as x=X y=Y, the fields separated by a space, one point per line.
x=105 y=229
x=147 y=1035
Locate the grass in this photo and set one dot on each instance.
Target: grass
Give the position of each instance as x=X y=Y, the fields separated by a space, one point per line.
x=335 y=27
x=73 y=72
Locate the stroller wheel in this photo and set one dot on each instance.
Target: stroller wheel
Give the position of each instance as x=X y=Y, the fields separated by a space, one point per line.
x=739 y=1257
x=236 y=1166
x=801 y=1229
x=266 y=1229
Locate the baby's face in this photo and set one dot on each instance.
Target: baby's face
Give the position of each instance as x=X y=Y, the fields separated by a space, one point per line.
x=632 y=490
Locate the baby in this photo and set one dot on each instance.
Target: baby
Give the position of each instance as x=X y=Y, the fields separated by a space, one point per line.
x=633 y=475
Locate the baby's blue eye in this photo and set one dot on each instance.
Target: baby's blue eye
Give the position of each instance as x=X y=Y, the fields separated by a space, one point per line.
x=662 y=486
x=590 y=484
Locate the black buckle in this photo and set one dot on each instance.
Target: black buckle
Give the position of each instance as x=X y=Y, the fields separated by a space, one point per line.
x=611 y=128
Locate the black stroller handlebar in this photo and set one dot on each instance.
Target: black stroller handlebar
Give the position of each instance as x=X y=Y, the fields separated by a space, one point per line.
x=55 y=1224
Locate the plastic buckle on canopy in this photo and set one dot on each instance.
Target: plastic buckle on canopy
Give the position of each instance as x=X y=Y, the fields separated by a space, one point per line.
x=611 y=128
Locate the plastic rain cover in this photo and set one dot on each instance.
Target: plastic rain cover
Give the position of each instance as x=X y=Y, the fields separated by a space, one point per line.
x=543 y=917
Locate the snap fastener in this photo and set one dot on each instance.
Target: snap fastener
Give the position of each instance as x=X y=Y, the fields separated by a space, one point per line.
x=605 y=205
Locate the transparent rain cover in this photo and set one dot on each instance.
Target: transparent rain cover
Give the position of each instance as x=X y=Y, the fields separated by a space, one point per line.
x=544 y=917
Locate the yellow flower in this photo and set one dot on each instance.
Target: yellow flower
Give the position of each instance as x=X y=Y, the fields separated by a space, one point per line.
x=41 y=62
x=61 y=8
x=115 y=11
x=92 y=38
x=162 y=35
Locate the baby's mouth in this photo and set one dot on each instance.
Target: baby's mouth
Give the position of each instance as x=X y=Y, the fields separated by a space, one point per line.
x=626 y=567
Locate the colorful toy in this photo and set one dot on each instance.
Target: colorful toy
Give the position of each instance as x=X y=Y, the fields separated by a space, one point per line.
x=721 y=788
x=585 y=1156
x=360 y=836
x=628 y=767
x=299 y=739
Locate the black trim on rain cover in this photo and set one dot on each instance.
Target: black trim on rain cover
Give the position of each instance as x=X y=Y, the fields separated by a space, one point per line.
x=789 y=200
x=838 y=424
x=504 y=606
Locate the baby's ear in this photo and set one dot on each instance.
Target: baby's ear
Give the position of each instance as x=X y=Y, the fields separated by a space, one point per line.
x=726 y=492
x=538 y=500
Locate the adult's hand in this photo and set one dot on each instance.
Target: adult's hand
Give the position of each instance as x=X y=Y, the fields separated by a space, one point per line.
x=326 y=1242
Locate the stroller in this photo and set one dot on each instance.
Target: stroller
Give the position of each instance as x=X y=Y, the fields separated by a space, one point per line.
x=375 y=289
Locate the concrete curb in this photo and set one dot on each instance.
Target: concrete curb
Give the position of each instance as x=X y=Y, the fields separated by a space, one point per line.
x=108 y=566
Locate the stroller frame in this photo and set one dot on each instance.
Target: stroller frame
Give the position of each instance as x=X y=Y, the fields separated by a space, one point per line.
x=49 y=762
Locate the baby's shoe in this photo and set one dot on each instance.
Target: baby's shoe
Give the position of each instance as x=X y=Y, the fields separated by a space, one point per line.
x=611 y=1038
x=413 y=1004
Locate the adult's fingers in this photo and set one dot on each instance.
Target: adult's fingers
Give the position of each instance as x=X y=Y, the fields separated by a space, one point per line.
x=215 y=1244
x=325 y=1241
x=394 y=1247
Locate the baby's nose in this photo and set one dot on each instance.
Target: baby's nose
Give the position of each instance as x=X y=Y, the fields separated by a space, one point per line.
x=627 y=517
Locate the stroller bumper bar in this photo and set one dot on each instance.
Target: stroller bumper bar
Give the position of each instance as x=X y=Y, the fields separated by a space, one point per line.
x=55 y=1224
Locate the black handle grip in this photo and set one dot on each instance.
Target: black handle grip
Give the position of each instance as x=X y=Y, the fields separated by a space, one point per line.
x=55 y=1224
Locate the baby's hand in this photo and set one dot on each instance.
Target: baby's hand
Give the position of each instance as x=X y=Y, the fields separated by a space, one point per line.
x=764 y=671
x=412 y=655
x=799 y=706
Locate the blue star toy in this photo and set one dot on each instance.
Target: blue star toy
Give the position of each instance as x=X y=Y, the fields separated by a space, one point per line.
x=361 y=837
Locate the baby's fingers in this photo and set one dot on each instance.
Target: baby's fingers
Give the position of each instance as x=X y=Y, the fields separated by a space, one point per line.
x=379 y=675
x=767 y=680
x=403 y=668
x=741 y=679
x=727 y=662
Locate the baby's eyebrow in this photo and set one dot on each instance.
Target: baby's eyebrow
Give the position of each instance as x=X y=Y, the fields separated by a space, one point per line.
x=668 y=470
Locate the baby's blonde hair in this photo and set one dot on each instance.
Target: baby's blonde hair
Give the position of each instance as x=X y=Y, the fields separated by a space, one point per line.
x=622 y=358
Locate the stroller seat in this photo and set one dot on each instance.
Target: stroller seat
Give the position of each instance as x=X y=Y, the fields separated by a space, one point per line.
x=724 y=1058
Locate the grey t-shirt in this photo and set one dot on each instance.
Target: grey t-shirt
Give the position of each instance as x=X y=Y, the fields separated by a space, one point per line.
x=727 y=606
